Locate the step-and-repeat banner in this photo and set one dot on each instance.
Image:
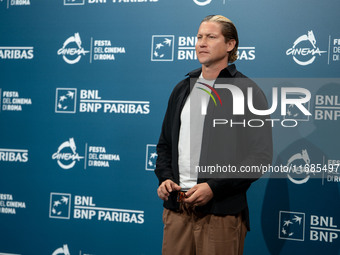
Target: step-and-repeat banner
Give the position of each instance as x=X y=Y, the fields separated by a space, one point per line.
x=84 y=87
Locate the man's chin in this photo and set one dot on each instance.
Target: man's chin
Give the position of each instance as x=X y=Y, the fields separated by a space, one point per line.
x=204 y=62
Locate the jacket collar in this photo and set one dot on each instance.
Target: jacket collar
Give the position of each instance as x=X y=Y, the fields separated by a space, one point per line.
x=229 y=71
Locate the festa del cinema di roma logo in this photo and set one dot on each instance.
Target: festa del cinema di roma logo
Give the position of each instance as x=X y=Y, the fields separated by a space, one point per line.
x=62 y=250
x=305 y=55
x=66 y=155
x=299 y=174
x=72 y=51
x=202 y=2
x=239 y=102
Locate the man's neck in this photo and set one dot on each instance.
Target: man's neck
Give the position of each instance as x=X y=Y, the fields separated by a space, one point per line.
x=210 y=72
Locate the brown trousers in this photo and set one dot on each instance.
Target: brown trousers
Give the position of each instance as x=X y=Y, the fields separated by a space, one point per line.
x=188 y=233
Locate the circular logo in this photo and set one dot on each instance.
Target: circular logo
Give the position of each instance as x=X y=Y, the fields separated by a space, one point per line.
x=202 y=3
x=67 y=51
x=305 y=55
x=67 y=154
x=63 y=250
x=299 y=173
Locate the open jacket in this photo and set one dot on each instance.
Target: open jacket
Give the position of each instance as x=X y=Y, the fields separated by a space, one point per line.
x=236 y=145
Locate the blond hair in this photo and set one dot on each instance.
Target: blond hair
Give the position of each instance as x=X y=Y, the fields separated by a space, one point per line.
x=229 y=32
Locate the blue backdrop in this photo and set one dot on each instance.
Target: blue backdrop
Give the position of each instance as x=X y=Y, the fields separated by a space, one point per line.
x=84 y=86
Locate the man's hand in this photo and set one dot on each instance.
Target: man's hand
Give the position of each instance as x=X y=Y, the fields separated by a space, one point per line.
x=165 y=188
x=199 y=195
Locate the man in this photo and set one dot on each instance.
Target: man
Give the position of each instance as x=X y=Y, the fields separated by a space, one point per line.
x=208 y=213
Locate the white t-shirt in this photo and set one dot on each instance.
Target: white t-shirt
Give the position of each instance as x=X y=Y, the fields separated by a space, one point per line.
x=190 y=134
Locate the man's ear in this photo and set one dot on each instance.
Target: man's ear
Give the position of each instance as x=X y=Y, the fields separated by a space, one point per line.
x=231 y=45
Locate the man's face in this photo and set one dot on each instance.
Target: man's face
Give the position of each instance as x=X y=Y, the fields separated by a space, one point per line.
x=211 y=49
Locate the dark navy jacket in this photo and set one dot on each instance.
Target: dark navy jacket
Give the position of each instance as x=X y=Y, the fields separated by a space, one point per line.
x=237 y=145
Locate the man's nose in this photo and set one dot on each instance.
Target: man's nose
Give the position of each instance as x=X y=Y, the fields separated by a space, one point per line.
x=202 y=42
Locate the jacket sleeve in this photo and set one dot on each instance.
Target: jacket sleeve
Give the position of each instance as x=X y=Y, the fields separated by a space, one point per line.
x=163 y=169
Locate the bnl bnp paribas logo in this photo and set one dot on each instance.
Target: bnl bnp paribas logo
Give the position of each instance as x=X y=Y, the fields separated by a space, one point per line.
x=292 y=226
x=60 y=205
x=163 y=49
x=91 y=102
x=321 y=228
x=305 y=50
x=63 y=206
x=17 y=52
x=66 y=99
x=151 y=157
